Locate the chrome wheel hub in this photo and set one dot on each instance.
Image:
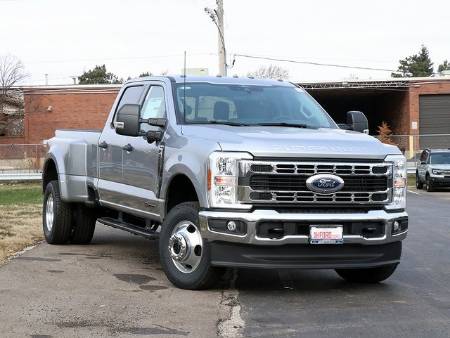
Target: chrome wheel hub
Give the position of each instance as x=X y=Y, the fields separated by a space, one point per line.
x=186 y=246
x=49 y=212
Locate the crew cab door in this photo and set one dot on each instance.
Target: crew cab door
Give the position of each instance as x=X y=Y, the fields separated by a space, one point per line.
x=111 y=184
x=141 y=159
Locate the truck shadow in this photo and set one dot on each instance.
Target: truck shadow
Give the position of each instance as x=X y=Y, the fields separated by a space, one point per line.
x=298 y=281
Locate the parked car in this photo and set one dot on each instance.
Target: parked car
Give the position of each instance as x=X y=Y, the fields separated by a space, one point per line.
x=231 y=172
x=433 y=169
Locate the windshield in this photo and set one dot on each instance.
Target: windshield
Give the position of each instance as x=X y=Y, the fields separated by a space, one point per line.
x=250 y=105
x=440 y=158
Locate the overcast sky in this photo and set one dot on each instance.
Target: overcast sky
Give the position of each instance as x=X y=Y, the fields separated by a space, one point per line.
x=63 y=38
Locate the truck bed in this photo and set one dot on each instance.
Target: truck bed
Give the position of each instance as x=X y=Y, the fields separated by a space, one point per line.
x=78 y=147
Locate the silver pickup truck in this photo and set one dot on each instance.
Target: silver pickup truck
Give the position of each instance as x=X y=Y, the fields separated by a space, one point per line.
x=231 y=172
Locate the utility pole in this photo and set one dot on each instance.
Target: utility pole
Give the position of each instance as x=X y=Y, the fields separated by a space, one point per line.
x=216 y=16
x=46 y=79
x=221 y=39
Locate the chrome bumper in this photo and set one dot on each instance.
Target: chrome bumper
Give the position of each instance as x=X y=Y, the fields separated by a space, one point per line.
x=252 y=218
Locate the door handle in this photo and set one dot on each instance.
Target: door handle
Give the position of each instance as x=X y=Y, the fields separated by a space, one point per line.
x=128 y=147
x=103 y=145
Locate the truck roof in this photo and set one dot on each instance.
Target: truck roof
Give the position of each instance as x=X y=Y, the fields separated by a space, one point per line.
x=438 y=150
x=217 y=80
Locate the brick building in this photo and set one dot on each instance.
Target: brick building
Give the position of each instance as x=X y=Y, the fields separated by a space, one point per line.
x=48 y=108
x=411 y=106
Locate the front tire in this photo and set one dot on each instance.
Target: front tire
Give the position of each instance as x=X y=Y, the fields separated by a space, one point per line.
x=184 y=255
x=419 y=184
x=56 y=215
x=369 y=275
x=429 y=185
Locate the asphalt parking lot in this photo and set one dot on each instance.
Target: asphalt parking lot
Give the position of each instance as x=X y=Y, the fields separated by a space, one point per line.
x=115 y=287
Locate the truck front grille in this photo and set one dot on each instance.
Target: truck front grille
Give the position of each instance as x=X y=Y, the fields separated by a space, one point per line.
x=361 y=183
x=285 y=182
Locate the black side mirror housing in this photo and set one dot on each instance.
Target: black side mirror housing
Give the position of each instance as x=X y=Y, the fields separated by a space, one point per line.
x=127 y=120
x=357 y=121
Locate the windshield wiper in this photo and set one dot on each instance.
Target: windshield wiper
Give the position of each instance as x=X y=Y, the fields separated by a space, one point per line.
x=226 y=123
x=285 y=124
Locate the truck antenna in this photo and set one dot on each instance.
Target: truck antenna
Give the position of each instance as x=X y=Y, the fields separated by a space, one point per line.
x=184 y=88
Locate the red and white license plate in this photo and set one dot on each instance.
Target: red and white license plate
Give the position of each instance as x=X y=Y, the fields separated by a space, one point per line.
x=326 y=234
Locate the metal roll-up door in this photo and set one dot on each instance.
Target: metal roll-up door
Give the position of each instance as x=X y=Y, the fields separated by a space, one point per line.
x=434 y=119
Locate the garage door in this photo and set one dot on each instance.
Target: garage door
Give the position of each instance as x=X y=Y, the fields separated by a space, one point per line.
x=434 y=119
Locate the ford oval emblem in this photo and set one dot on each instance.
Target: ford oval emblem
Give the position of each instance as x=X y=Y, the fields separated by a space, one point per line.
x=325 y=183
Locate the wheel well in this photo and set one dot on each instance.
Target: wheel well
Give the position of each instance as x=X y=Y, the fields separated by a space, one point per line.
x=49 y=173
x=180 y=190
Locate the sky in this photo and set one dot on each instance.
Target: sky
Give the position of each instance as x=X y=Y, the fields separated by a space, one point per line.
x=64 y=38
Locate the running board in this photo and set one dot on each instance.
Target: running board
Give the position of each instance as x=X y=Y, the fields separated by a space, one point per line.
x=112 y=222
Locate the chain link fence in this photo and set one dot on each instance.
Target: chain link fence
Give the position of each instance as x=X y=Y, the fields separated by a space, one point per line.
x=25 y=161
x=21 y=162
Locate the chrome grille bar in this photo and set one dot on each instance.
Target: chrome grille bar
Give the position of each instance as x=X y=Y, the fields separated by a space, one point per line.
x=305 y=169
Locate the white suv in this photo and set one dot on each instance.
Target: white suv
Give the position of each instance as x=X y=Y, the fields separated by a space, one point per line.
x=433 y=169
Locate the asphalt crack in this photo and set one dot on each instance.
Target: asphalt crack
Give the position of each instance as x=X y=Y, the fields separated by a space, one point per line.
x=230 y=323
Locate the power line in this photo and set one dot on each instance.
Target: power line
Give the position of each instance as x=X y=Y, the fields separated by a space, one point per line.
x=314 y=63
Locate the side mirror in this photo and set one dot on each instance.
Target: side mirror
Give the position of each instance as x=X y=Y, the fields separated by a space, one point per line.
x=357 y=121
x=127 y=120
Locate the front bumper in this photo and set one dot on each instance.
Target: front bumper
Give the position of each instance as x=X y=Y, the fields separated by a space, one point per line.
x=304 y=256
x=294 y=251
x=252 y=219
x=441 y=181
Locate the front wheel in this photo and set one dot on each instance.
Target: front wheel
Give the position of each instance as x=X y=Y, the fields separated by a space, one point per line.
x=184 y=255
x=429 y=185
x=369 y=275
x=419 y=184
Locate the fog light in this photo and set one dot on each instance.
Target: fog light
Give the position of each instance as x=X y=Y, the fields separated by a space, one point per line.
x=396 y=226
x=231 y=226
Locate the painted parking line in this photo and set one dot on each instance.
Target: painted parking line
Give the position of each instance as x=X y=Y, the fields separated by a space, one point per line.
x=413 y=192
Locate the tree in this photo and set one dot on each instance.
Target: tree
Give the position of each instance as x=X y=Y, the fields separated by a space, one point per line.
x=145 y=74
x=99 y=75
x=270 y=72
x=443 y=66
x=385 y=133
x=12 y=72
x=416 y=65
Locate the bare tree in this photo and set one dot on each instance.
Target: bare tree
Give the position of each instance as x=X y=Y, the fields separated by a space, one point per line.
x=270 y=72
x=12 y=72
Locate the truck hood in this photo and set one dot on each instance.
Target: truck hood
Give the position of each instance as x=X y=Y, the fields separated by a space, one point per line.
x=440 y=166
x=286 y=142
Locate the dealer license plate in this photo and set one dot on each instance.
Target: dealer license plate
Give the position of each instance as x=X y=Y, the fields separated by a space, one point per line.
x=326 y=234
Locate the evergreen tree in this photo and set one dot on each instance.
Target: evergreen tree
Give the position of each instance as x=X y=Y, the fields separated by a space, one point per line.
x=98 y=75
x=444 y=66
x=417 y=65
x=145 y=74
x=385 y=133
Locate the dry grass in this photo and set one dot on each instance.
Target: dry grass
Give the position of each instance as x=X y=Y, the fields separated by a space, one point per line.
x=20 y=226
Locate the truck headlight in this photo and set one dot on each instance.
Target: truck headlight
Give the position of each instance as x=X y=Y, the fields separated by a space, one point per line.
x=399 y=185
x=437 y=172
x=223 y=173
